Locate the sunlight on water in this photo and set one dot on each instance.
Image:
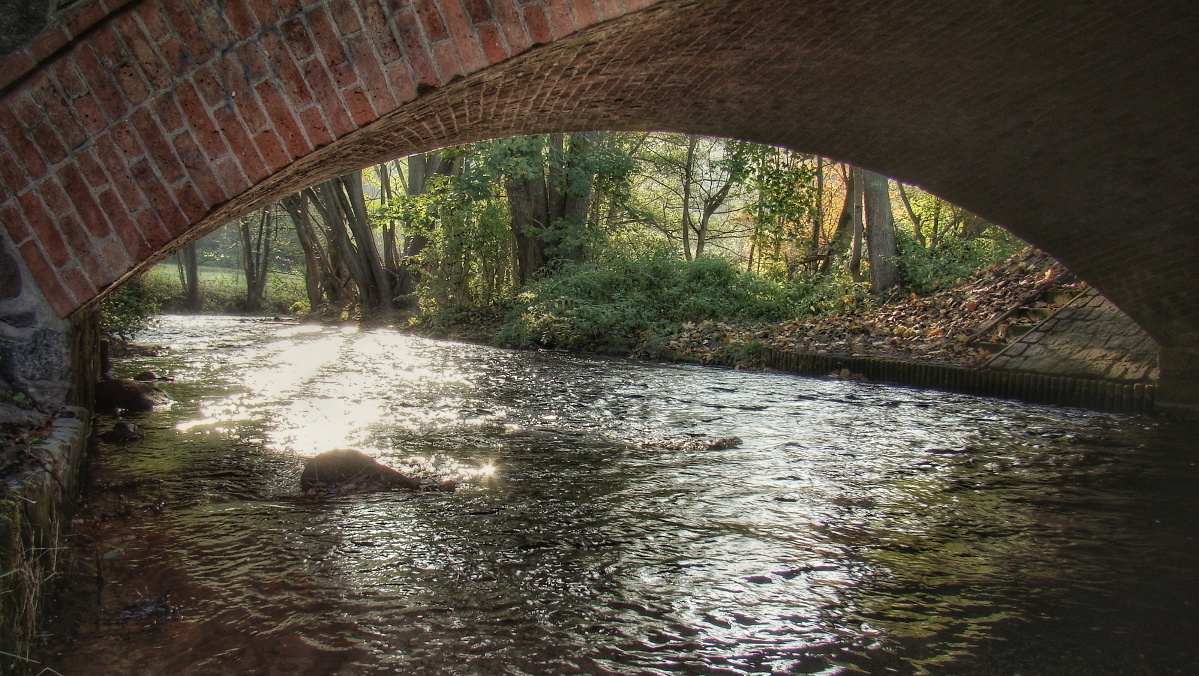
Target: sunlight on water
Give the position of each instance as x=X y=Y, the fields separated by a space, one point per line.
x=855 y=529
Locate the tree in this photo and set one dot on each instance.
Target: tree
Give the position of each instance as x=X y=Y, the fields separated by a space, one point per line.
x=256 y=255
x=880 y=233
x=189 y=277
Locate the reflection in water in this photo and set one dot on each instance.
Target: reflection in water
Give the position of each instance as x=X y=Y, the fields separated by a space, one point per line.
x=858 y=528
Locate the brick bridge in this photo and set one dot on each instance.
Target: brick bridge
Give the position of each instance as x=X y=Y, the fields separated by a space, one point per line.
x=130 y=127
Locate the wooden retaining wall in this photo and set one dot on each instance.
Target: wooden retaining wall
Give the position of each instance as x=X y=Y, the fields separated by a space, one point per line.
x=1092 y=393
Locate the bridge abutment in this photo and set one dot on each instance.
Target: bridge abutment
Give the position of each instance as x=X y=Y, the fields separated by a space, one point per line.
x=1178 y=388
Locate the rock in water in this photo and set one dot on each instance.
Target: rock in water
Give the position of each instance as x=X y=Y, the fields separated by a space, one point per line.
x=351 y=471
x=129 y=395
x=123 y=432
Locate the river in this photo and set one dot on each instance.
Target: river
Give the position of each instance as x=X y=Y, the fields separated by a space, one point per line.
x=857 y=528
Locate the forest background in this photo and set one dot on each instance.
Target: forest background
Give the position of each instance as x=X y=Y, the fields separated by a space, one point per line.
x=583 y=241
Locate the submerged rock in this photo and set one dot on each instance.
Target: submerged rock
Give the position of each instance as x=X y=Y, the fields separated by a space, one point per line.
x=150 y=376
x=128 y=395
x=346 y=471
x=123 y=432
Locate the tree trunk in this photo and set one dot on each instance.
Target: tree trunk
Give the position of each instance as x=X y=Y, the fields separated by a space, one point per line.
x=256 y=252
x=421 y=168
x=353 y=202
x=818 y=224
x=907 y=205
x=692 y=140
x=316 y=265
x=190 y=276
x=880 y=233
x=855 y=258
x=530 y=215
x=844 y=230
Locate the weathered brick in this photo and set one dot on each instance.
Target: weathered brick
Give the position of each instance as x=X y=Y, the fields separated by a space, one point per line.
x=131 y=237
x=42 y=225
x=90 y=115
x=101 y=85
x=90 y=167
x=68 y=78
x=160 y=198
x=152 y=229
x=240 y=143
x=419 y=56
x=345 y=16
x=263 y=11
x=84 y=17
x=371 y=74
x=152 y=19
x=81 y=197
x=469 y=51
x=232 y=177
x=331 y=49
x=330 y=104
x=49 y=41
x=14 y=66
x=81 y=289
x=316 y=127
x=479 y=10
x=11 y=173
x=284 y=122
x=154 y=141
x=271 y=150
x=610 y=9
x=430 y=20
x=14 y=134
x=298 y=39
x=446 y=58
x=378 y=30
x=198 y=169
x=360 y=107
x=190 y=203
x=47 y=281
x=180 y=17
x=240 y=19
x=561 y=22
x=489 y=38
x=140 y=48
x=168 y=113
x=539 y=26
x=584 y=12
x=115 y=163
x=84 y=251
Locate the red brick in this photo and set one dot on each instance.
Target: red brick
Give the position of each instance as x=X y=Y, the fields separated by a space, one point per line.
x=250 y=57
x=298 y=39
x=93 y=173
x=25 y=108
x=401 y=82
x=271 y=149
x=469 y=51
x=360 y=107
x=114 y=256
x=11 y=130
x=289 y=77
x=14 y=66
x=479 y=10
x=131 y=83
x=175 y=57
x=230 y=74
x=111 y=158
x=46 y=280
x=108 y=47
x=151 y=227
x=168 y=113
x=124 y=137
x=42 y=225
x=419 y=56
x=68 y=78
x=584 y=12
x=331 y=49
x=113 y=5
x=190 y=202
x=510 y=22
x=90 y=114
x=263 y=11
x=326 y=97
x=160 y=198
x=152 y=18
x=101 y=85
x=289 y=7
x=489 y=37
x=561 y=22
x=123 y=225
x=243 y=148
x=81 y=289
x=186 y=28
x=54 y=197
x=430 y=19
x=84 y=18
x=448 y=64
x=232 y=177
x=139 y=46
x=81 y=196
x=209 y=86
x=203 y=127
x=539 y=27
x=84 y=250
x=285 y=123
x=11 y=217
x=610 y=9
x=314 y=124
x=378 y=29
x=11 y=173
x=51 y=40
x=154 y=141
x=217 y=29
x=57 y=110
x=371 y=73
x=48 y=142
x=345 y=16
x=240 y=18
x=199 y=169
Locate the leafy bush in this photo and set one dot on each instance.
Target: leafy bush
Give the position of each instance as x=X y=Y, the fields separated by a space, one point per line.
x=653 y=289
x=129 y=310
x=927 y=270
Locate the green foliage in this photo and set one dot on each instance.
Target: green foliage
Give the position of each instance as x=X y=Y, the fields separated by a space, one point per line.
x=929 y=269
x=624 y=293
x=129 y=310
x=223 y=291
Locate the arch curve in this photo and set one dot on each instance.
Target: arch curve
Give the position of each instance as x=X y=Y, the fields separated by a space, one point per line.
x=147 y=123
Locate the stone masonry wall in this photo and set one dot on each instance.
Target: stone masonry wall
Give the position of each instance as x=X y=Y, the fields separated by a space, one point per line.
x=1089 y=338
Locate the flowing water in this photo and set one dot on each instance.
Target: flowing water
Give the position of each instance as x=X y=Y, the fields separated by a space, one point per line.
x=857 y=528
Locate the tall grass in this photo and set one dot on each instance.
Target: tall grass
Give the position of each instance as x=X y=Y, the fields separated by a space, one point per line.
x=223 y=291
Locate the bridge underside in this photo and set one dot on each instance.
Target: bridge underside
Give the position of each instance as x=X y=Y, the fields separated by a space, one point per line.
x=1071 y=125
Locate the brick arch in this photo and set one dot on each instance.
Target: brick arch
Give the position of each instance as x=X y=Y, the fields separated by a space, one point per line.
x=133 y=126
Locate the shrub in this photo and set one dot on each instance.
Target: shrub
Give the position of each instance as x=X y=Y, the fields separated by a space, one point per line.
x=926 y=270
x=129 y=310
